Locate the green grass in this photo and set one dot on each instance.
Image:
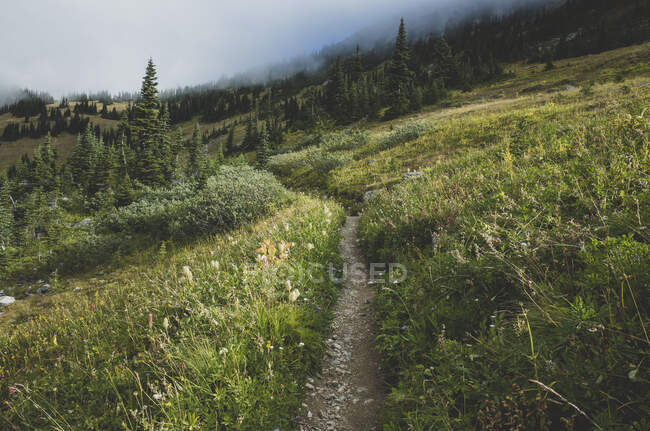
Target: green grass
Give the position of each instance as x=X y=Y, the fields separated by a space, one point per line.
x=525 y=304
x=526 y=245
x=527 y=254
x=224 y=349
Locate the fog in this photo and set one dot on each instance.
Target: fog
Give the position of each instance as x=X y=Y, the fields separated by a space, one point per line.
x=80 y=45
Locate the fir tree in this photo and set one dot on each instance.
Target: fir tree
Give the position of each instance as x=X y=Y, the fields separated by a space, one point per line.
x=194 y=153
x=6 y=216
x=400 y=76
x=146 y=130
x=264 y=149
x=356 y=68
x=336 y=92
x=230 y=141
x=44 y=166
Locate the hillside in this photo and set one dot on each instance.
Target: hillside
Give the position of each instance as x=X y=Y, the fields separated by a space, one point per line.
x=437 y=238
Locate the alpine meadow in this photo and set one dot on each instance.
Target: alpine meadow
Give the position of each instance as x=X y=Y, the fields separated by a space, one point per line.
x=329 y=216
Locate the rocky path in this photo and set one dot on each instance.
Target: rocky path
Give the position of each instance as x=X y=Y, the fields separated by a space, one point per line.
x=348 y=394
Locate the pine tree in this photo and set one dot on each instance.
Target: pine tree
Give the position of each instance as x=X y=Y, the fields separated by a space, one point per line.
x=81 y=161
x=44 y=166
x=356 y=68
x=400 y=77
x=194 y=153
x=336 y=92
x=264 y=149
x=230 y=141
x=146 y=130
x=6 y=216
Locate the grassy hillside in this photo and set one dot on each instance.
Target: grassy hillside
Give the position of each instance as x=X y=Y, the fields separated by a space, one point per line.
x=519 y=209
x=373 y=167
x=202 y=337
x=523 y=229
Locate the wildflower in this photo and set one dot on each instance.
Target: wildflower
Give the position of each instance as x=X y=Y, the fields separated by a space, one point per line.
x=288 y=283
x=188 y=274
x=13 y=389
x=301 y=344
x=310 y=246
x=150 y=317
x=215 y=264
x=165 y=323
x=268 y=345
x=293 y=296
x=223 y=351
x=157 y=396
x=318 y=308
x=403 y=328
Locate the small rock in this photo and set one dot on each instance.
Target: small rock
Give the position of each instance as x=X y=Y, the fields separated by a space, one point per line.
x=309 y=386
x=84 y=223
x=370 y=195
x=6 y=300
x=368 y=401
x=412 y=175
x=44 y=288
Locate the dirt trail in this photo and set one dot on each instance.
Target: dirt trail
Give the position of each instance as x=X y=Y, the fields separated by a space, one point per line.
x=348 y=394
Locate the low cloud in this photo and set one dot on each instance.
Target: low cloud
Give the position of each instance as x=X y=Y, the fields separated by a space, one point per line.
x=81 y=45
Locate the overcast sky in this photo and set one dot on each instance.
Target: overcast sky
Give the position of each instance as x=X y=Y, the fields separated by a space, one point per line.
x=87 y=45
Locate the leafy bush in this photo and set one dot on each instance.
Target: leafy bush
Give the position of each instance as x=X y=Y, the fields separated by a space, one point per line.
x=347 y=140
x=235 y=195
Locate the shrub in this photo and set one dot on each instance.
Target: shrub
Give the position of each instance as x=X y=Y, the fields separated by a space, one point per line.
x=235 y=195
x=404 y=134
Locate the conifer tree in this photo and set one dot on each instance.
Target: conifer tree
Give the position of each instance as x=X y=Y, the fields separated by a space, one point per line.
x=230 y=141
x=146 y=130
x=400 y=76
x=44 y=166
x=6 y=216
x=264 y=149
x=356 y=68
x=194 y=153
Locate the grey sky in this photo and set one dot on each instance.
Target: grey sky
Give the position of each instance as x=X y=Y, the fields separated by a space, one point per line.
x=66 y=45
x=88 y=45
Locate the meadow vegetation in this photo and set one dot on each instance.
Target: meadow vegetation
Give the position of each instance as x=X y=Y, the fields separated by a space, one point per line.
x=231 y=198
x=525 y=239
x=219 y=334
x=526 y=301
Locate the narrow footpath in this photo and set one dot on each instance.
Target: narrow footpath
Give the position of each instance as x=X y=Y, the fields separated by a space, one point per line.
x=348 y=394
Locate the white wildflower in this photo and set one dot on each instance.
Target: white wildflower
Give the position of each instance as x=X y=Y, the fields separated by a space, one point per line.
x=215 y=264
x=223 y=351
x=188 y=274
x=293 y=296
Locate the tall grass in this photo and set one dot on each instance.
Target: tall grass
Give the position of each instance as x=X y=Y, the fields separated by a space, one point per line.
x=526 y=303
x=208 y=337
